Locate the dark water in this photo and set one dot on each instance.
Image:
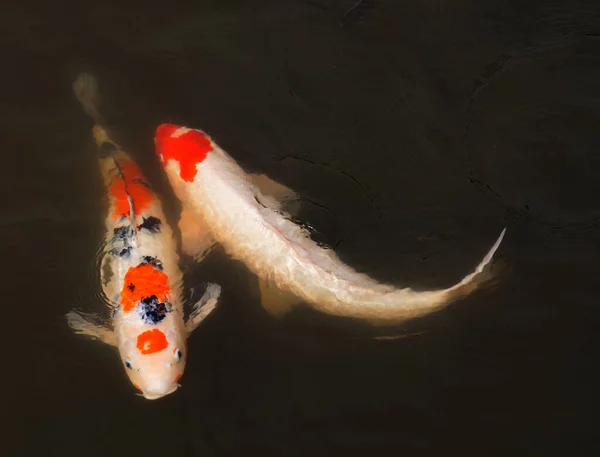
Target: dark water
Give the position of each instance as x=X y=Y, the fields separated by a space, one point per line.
x=422 y=128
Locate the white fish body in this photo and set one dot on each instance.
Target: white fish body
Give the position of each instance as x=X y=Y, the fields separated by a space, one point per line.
x=229 y=208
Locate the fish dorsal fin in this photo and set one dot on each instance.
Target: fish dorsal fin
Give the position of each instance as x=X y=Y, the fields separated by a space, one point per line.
x=282 y=197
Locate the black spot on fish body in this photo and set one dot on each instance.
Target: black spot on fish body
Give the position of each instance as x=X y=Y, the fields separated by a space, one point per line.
x=120 y=231
x=125 y=252
x=107 y=148
x=152 y=224
x=121 y=241
x=153 y=311
x=153 y=261
x=131 y=287
x=123 y=232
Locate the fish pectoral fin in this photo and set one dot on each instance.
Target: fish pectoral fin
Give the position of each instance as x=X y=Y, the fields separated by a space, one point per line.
x=275 y=301
x=196 y=239
x=203 y=307
x=83 y=326
x=284 y=197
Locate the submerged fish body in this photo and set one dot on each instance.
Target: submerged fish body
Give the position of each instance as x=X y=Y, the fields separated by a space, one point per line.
x=227 y=206
x=140 y=272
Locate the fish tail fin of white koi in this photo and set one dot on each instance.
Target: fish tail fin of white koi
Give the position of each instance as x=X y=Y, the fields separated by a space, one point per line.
x=472 y=280
x=480 y=277
x=86 y=90
x=421 y=303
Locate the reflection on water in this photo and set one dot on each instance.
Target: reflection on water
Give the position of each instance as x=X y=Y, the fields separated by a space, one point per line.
x=412 y=101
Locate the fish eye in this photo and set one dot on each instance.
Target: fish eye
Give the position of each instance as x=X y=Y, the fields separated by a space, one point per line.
x=178 y=354
x=128 y=363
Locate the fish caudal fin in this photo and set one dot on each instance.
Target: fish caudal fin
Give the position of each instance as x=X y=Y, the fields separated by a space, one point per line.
x=427 y=302
x=398 y=305
x=86 y=90
x=479 y=276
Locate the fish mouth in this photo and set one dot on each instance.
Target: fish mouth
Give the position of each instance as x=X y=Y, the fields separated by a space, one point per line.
x=157 y=395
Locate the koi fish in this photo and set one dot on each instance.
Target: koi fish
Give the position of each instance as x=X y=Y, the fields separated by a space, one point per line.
x=140 y=273
x=229 y=208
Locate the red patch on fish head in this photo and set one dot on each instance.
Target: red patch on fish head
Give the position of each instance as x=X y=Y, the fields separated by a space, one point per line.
x=186 y=146
x=152 y=341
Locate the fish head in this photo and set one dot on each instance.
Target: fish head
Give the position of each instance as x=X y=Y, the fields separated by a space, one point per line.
x=181 y=150
x=154 y=357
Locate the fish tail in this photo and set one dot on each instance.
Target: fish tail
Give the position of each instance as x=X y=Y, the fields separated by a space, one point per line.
x=119 y=171
x=396 y=306
x=476 y=279
x=428 y=302
x=86 y=90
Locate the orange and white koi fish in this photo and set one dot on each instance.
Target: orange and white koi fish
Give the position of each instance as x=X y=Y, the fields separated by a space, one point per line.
x=140 y=272
x=222 y=204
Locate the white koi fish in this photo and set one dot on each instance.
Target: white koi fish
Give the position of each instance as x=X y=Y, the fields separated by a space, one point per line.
x=222 y=204
x=140 y=272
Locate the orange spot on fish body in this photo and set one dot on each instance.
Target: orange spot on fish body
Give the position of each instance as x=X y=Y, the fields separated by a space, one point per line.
x=178 y=377
x=143 y=281
x=129 y=184
x=189 y=149
x=137 y=387
x=152 y=341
